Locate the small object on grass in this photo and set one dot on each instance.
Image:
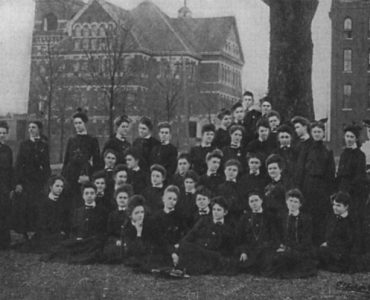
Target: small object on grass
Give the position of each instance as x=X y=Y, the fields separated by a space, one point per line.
x=352 y=287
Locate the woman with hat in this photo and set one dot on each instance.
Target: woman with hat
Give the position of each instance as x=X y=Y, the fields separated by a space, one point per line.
x=32 y=170
x=82 y=157
x=351 y=175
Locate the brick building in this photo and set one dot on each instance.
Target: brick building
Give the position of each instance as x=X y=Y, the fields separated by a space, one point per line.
x=168 y=68
x=350 y=68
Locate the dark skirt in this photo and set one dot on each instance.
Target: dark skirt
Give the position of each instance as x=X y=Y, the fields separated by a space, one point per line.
x=257 y=262
x=72 y=251
x=333 y=260
x=291 y=264
x=196 y=260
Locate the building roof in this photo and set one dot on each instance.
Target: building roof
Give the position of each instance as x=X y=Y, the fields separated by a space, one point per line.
x=63 y=9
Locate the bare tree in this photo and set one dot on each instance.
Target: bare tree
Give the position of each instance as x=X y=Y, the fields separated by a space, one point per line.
x=46 y=76
x=291 y=50
x=110 y=67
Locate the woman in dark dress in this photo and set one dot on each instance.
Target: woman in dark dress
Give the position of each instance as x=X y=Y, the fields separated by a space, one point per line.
x=87 y=233
x=222 y=136
x=117 y=220
x=32 y=172
x=6 y=185
x=208 y=246
x=145 y=143
x=295 y=257
x=81 y=158
x=235 y=149
x=318 y=180
x=351 y=175
x=119 y=142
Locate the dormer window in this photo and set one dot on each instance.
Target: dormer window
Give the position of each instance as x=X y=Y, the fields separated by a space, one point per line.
x=50 y=22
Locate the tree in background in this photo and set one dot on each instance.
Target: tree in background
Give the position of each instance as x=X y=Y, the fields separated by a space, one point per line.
x=110 y=67
x=291 y=51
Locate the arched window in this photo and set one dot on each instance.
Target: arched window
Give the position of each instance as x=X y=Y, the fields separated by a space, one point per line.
x=348 y=28
x=77 y=44
x=94 y=30
x=77 y=31
x=86 y=31
x=50 y=22
x=85 y=44
x=101 y=32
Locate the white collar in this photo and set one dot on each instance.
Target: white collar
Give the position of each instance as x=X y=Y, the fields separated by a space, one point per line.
x=210 y=174
x=354 y=146
x=256 y=173
x=294 y=213
x=119 y=137
x=258 y=211
x=218 y=221
x=345 y=214
x=205 y=146
x=191 y=192
x=167 y=211
x=165 y=143
x=235 y=146
x=206 y=210
x=276 y=179
x=34 y=138
x=121 y=208
x=82 y=132
x=233 y=180
x=147 y=137
x=281 y=146
x=53 y=197
x=136 y=169
x=91 y=205
x=259 y=139
x=158 y=186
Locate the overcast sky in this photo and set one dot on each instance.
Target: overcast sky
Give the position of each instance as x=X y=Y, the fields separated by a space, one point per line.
x=16 y=17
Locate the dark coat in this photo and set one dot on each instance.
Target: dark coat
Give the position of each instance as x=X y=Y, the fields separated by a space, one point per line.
x=153 y=197
x=264 y=149
x=302 y=152
x=82 y=157
x=119 y=146
x=165 y=155
x=289 y=155
x=211 y=182
x=204 y=248
x=234 y=197
x=198 y=158
x=250 y=121
x=351 y=177
x=139 y=180
x=250 y=182
x=6 y=168
x=222 y=138
x=275 y=196
x=143 y=147
x=186 y=207
x=235 y=153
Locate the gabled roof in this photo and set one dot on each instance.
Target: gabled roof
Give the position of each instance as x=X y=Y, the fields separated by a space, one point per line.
x=63 y=9
x=154 y=30
x=206 y=34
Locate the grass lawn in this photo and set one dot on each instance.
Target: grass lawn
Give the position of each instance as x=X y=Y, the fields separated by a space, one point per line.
x=22 y=276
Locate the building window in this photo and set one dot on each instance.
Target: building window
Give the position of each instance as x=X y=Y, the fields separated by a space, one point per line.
x=77 y=44
x=50 y=22
x=347 y=60
x=85 y=44
x=94 y=44
x=94 y=30
x=86 y=31
x=347 y=93
x=348 y=28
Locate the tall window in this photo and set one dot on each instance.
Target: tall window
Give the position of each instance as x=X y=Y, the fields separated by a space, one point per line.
x=347 y=60
x=347 y=93
x=348 y=28
x=50 y=22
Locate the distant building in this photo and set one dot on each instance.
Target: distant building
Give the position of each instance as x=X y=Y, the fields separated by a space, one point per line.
x=350 y=68
x=177 y=66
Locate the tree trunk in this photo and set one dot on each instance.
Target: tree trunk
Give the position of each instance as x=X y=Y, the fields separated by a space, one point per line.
x=291 y=50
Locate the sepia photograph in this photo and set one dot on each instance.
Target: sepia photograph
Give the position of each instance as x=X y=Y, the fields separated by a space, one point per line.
x=184 y=149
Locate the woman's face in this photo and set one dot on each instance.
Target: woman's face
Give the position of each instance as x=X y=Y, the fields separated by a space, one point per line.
x=57 y=187
x=169 y=200
x=293 y=204
x=137 y=215
x=89 y=196
x=255 y=203
x=317 y=134
x=121 y=177
x=3 y=134
x=123 y=129
x=33 y=130
x=79 y=125
x=143 y=130
x=236 y=137
x=100 y=185
x=285 y=139
x=110 y=160
x=349 y=139
x=122 y=199
x=183 y=166
x=218 y=212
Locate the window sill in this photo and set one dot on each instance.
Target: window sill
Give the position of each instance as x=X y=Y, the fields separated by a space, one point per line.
x=346 y=109
x=347 y=72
